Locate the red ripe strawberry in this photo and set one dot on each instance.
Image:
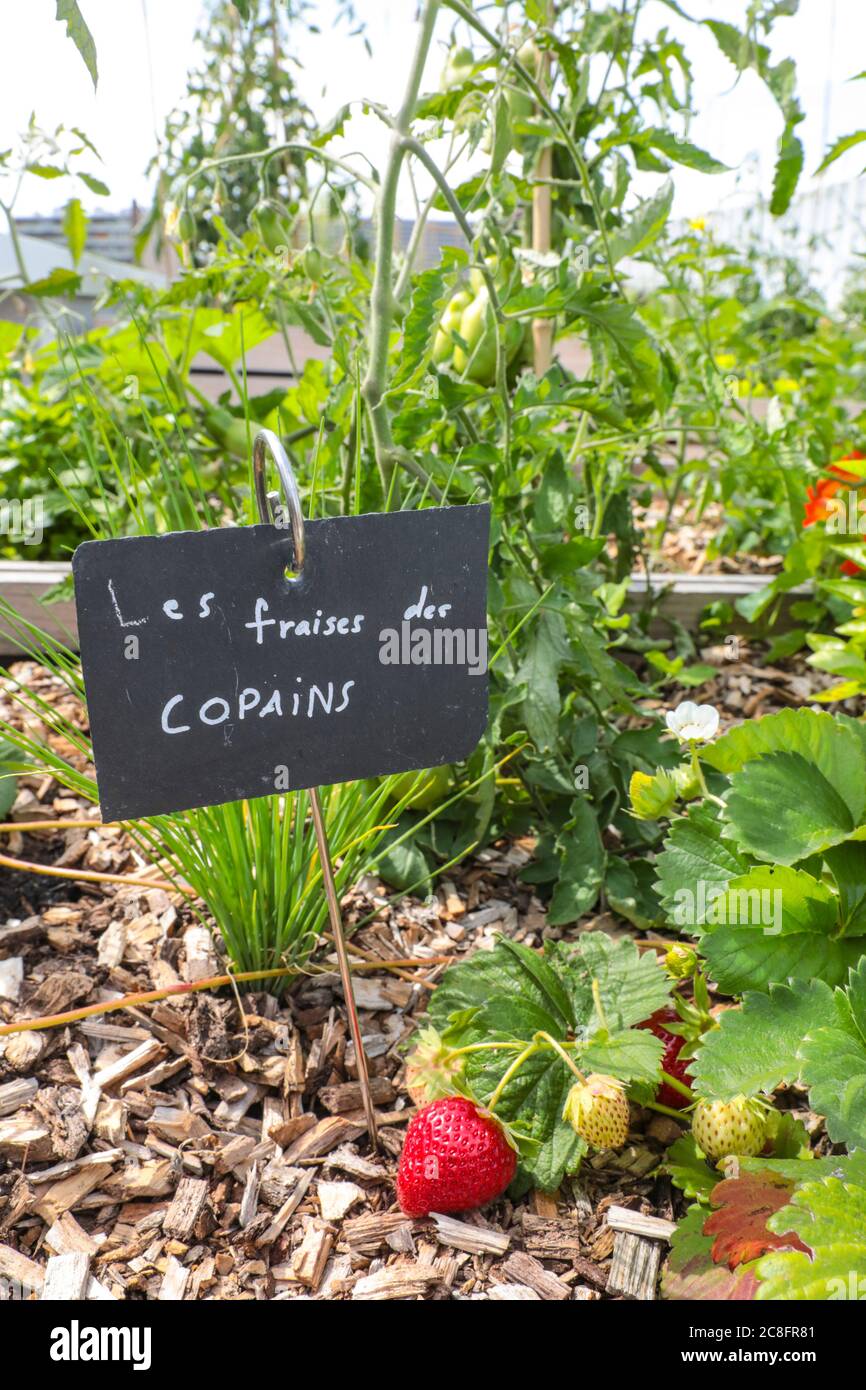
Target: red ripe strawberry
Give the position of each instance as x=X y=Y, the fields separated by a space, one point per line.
x=455 y=1158
x=672 y=1063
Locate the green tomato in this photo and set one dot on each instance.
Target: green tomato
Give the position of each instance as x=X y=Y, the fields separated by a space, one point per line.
x=521 y=104
x=520 y=108
x=312 y=262
x=458 y=68
x=269 y=222
x=529 y=55
x=478 y=329
x=443 y=344
x=433 y=786
x=186 y=226
x=477 y=316
x=476 y=275
x=478 y=360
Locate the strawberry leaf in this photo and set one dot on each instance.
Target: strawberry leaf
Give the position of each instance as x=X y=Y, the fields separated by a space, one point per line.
x=834 y=1065
x=791 y=1140
x=632 y=1056
x=690 y=1273
x=850 y=1167
x=755 y=1047
x=819 y=738
x=631 y=985
x=739 y=1223
x=829 y=1217
x=847 y=864
x=783 y=807
x=532 y=1103
x=694 y=853
x=504 y=971
x=689 y=1170
x=798 y=783
x=776 y=922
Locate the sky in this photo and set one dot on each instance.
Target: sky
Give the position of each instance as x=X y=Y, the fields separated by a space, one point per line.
x=145 y=47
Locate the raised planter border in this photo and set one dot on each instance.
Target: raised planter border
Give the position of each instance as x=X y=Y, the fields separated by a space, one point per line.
x=24 y=583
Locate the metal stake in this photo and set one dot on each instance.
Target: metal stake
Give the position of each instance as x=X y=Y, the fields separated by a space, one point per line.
x=267 y=442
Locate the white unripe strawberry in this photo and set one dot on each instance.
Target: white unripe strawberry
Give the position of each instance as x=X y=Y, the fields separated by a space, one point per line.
x=597 y=1109
x=738 y=1126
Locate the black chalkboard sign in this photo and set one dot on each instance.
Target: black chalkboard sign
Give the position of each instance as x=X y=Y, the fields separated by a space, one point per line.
x=212 y=676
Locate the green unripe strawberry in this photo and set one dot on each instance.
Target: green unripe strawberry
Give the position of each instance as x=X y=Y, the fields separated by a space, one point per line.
x=680 y=961
x=688 y=784
x=597 y=1109
x=738 y=1126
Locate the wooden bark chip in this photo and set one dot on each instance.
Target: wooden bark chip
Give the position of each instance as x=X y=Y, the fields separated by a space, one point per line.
x=211 y=676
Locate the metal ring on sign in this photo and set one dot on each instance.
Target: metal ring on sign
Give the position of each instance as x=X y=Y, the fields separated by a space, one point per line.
x=266 y=442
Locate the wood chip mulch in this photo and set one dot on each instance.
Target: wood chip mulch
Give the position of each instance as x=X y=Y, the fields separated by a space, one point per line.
x=688 y=542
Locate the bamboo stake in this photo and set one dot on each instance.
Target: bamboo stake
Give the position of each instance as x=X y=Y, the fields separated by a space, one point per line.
x=542 y=211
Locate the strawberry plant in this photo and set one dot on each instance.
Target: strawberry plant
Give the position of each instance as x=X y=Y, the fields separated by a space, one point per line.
x=797 y=1034
x=781 y=1229
x=766 y=869
x=548 y=1045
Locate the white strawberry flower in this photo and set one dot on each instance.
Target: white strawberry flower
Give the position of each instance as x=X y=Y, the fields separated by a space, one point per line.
x=693 y=723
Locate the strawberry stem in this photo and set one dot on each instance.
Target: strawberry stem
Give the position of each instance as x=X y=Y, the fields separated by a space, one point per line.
x=596 y=999
x=484 y=1047
x=701 y=780
x=676 y=1085
x=511 y=1071
x=664 y=1110
x=558 y=1048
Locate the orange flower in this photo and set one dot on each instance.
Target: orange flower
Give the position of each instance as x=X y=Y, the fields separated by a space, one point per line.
x=849 y=567
x=818 y=496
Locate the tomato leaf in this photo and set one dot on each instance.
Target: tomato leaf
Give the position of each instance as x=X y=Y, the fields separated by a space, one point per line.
x=78 y=32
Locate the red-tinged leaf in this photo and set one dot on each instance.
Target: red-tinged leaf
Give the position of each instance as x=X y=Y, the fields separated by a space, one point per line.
x=739 y=1225
x=690 y=1273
